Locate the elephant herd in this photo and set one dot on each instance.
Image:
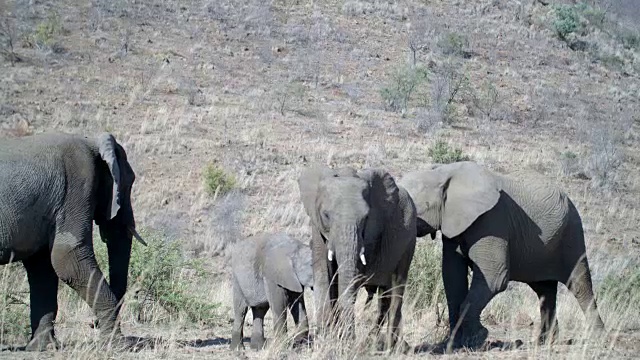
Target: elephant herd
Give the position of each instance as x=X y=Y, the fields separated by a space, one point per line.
x=363 y=223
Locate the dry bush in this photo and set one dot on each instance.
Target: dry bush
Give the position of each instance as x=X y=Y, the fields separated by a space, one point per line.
x=9 y=36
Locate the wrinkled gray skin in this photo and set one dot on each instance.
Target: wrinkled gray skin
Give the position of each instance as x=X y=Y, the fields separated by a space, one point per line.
x=503 y=229
x=52 y=188
x=356 y=215
x=269 y=271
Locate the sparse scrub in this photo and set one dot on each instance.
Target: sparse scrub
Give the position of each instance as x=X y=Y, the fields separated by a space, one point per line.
x=486 y=100
x=160 y=276
x=389 y=9
x=569 y=163
x=8 y=38
x=14 y=316
x=424 y=284
x=453 y=44
x=217 y=181
x=449 y=81
x=46 y=34
x=442 y=153
x=420 y=34
x=604 y=158
x=288 y=93
x=404 y=81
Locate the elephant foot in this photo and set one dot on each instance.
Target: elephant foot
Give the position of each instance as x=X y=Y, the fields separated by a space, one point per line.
x=471 y=338
x=43 y=341
x=258 y=344
x=120 y=342
x=236 y=343
x=548 y=337
x=302 y=338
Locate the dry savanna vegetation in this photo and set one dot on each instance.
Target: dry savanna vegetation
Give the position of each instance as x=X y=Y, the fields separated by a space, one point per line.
x=221 y=103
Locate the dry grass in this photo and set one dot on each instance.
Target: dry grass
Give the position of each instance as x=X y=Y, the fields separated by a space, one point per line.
x=186 y=84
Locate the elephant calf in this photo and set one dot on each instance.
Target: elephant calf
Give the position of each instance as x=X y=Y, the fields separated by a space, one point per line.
x=269 y=271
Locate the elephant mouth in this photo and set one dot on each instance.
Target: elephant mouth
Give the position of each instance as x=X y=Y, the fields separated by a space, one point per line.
x=424 y=229
x=137 y=236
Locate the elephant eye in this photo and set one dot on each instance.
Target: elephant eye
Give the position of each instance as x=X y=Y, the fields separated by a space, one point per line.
x=325 y=215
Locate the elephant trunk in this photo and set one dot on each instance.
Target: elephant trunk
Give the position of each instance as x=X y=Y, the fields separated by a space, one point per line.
x=346 y=253
x=119 y=251
x=118 y=234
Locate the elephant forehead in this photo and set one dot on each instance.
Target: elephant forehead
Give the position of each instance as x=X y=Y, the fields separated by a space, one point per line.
x=344 y=185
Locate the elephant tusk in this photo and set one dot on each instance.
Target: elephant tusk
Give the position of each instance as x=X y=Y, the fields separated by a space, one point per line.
x=363 y=260
x=330 y=255
x=137 y=236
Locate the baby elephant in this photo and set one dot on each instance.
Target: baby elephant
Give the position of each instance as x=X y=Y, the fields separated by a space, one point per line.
x=269 y=271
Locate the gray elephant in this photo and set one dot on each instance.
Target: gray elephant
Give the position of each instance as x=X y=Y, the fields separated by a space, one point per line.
x=363 y=230
x=52 y=188
x=269 y=271
x=503 y=229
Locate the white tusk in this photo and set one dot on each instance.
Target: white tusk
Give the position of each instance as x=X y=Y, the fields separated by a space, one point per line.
x=137 y=236
x=362 y=259
x=330 y=255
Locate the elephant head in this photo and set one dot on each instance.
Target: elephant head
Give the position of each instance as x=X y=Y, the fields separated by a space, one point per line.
x=113 y=212
x=451 y=197
x=351 y=210
x=289 y=266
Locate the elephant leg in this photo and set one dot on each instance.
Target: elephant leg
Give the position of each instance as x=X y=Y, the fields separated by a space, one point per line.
x=490 y=277
x=398 y=281
x=395 y=314
x=299 y=314
x=384 y=304
x=240 y=308
x=74 y=262
x=257 y=334
x=547 y=292
x=581 y=287
x=455 y=280
x=43 y=293
x=278 y=303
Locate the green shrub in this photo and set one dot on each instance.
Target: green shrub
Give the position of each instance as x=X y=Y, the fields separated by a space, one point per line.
x=453 y=44
x=567 y=21
x=442 y=153
x=424 y=283
x=160 y=275
x=14 y=305
x=217 y=181
x=404 y=81
x=47 y=32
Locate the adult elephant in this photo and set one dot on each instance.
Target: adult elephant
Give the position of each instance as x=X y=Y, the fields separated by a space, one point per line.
x=52 y=188
x=503 y=229
x=363 y=233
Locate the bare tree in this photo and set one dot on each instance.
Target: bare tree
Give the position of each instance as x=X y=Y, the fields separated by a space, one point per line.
x=420 y=34
x=8 y=38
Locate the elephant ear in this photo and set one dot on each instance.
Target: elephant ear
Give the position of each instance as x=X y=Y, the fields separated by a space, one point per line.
x=278 y=268
x=384 y=192
x=383 y=201
x=469 y=191
x=108 y=153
